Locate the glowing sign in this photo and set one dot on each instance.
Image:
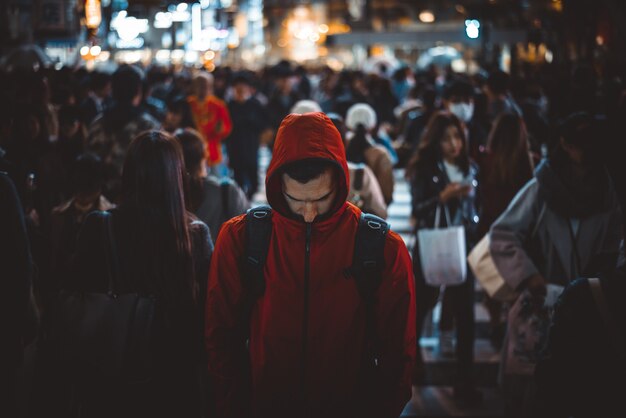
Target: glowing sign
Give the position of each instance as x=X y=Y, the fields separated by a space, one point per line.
x=93 y=14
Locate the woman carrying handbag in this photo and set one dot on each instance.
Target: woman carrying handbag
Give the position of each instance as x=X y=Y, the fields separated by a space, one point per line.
x=443 y=178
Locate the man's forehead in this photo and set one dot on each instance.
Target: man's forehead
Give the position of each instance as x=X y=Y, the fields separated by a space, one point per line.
x=313 y=189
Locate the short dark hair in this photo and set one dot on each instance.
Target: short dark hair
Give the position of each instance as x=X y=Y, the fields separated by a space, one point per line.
x=88 y=174
x=498 y=82
x=308 y=169
x=126 y=83
x=99 y=80
x=458 y=88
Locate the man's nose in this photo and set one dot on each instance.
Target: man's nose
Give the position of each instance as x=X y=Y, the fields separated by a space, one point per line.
x=310 y=212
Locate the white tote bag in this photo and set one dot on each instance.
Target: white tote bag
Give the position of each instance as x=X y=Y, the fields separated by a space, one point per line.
x=442 y=253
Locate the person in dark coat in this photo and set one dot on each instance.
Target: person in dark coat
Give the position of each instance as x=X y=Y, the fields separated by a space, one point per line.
x=249 y=120
x=17 y=270
x=582 y=368
x=162 y=250
x=442 y=176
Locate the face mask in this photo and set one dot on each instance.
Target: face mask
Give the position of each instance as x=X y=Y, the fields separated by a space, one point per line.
x=463 y=111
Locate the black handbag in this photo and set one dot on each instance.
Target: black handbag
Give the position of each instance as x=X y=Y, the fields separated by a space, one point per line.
x=107 y=335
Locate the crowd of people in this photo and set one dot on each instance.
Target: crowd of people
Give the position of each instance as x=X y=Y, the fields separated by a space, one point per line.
x=138 y=182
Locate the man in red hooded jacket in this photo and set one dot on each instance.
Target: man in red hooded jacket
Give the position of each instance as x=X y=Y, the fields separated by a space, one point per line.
x=306 y=335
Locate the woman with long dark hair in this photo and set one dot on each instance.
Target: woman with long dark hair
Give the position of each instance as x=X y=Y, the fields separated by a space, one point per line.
x=212 y=200
x=505 y=167
x=161 y=251
x=442 y=176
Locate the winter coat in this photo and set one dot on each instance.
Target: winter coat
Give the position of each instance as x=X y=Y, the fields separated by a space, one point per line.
x=533 y=236
x=306 y=332
x=580 y=374
x=212 y=120
x=249 y=120
x=174 y=388
x=212 y=210
x=428 y=183
x=370 y=194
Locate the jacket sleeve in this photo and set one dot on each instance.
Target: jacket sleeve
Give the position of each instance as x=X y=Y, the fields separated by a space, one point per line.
x=511 y=231
x=395 y=326
x=422 y=202
x=606 y=257
x=238 y=202
x=224 y=342
x=372 y=195
x=227 y=123
x=384 y=173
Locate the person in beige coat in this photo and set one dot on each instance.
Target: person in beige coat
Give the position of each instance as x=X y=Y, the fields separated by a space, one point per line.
x=362 y=148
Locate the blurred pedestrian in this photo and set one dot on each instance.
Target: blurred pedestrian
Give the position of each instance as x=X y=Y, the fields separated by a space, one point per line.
x=152 y=246
x=250 y=119
x=213 y=200
x=362 y=148
x=443 y=176
x=294 y=332
x=110 y=133
x=505 y=167
x=211 y=117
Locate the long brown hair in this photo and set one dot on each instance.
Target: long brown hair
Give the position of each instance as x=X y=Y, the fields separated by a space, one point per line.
x=428 y=152
x=153 y=184
x=193 y=148
x=508 y=147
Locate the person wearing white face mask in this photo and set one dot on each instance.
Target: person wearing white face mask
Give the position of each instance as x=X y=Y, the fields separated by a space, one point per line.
x=458 y=99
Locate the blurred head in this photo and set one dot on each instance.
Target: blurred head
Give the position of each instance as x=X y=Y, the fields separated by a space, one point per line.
x=202 y=84
x=153 y=173
x=100 y=84
x=152 y=182
x=126 y=84
x=309 y=188
x=458 y=98
x=175 y=114
x=577 y=134
x=361 y=114
x=443 y=139
x=508 y=146
x=497 y=84
x=87 y=178
x=305 y=106
x=241 y=88
x=193 y=148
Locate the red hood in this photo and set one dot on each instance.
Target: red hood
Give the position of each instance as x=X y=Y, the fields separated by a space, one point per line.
x=300 y=137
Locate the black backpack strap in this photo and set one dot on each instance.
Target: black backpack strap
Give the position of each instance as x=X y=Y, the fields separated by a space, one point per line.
x=224 y=189
x=258 y=235
x=367 y=268
x=368 y=260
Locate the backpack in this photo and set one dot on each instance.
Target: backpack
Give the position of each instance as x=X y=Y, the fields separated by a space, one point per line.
x=367 y=262
x=366 y=269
